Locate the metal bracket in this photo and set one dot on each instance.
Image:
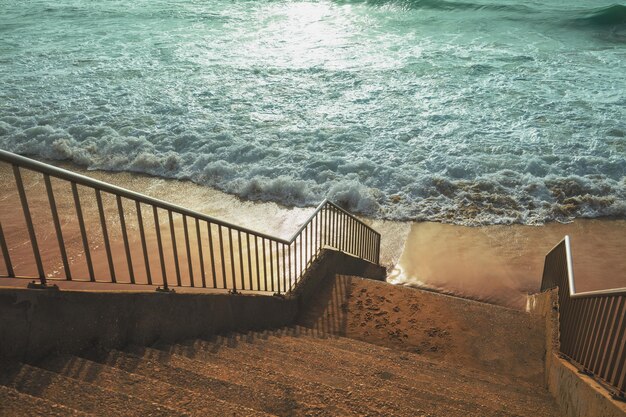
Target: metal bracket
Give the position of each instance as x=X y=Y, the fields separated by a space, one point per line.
x=165 y=290
x=233 y=292
x=34 y=285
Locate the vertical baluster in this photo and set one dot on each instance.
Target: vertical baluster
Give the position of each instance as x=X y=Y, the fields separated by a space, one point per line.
x=311 y=241
x=129 y=260
x=316 y=240
x=337 y=231
x=602 y=345
x=29 y=224
x=5 y=254
x=271 y=265
x=188 y=249
x=291 y=268
x=57 y=227
x=285 y=277
x=200 y=254
x=600 y=326
x=144 y=246
x=258 y=269
x=361 y=242
x=219 y=231
x=83 y=231
x=611 y=350
x=210 y=232
x=174 y=247
x=157 y=227
x=324 y=230
x=243 y=281
x=348 y=233
x=232 y=258
x=264 y=264
x=249 y=261
x=617 y=353
x=105 y=235
x=304 y=250
x=342 y=242
x=301 y=259
x=277 y=267
x=352 y=236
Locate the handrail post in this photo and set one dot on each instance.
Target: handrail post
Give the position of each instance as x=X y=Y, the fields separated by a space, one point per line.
x=5 y=253
x=29 y=225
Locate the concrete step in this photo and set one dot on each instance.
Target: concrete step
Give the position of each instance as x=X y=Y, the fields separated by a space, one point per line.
x=17 y=404
x=409 y=368
x=342 y=370
x=270 y=381
x=383 y=398
x=149 y=389
x=393 y=356
x=199 y=379
x=441 y=394
x=81 y=396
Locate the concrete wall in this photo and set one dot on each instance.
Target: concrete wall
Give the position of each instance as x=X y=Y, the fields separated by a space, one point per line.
x=35 y=323
x=576 y=394
x=326 y=267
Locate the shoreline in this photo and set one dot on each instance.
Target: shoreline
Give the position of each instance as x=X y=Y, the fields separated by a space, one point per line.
x=498 y=264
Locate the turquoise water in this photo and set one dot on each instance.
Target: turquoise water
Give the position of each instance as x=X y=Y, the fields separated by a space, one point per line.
x=467 y=112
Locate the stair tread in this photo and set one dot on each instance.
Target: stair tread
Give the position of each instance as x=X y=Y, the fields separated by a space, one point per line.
x=432 y=391
x=270 y=380
x=342 y=372
x=376 y=396
x=149 y=389
x=85 y=397
x=263 y=398
x=18 y=404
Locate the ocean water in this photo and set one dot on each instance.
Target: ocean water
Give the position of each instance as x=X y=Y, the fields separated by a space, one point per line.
x=468 y=112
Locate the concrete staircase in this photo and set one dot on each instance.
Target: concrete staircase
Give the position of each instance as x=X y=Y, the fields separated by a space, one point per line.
x=290 y=371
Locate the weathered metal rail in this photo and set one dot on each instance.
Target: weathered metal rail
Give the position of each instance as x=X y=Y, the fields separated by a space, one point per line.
x=215 y=254
x=592 y=325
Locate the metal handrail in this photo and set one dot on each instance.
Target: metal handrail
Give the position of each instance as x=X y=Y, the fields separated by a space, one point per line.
x=329 y=225
x=592 y=324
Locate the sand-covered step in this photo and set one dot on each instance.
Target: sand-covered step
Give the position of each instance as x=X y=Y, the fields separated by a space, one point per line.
x=342 y=370
x=261 y=398
x=271 y=380
x=149 y=389
x=411 y=367
x=17 y=404
x=374 y=391
x=441 y=378
x=366 y=349
x=78 y=395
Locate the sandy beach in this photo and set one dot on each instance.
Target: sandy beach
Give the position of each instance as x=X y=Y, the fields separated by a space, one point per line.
x=497 y=264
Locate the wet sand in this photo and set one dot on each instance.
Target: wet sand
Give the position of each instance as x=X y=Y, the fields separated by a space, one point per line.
x=497 y=264
x=501 y=264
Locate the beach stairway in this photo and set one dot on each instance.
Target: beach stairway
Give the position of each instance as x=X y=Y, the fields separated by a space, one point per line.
x=311 y=370
x=289 y=371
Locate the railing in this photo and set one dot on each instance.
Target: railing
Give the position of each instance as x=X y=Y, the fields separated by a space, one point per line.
x=591 y=324
x=141 y=248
